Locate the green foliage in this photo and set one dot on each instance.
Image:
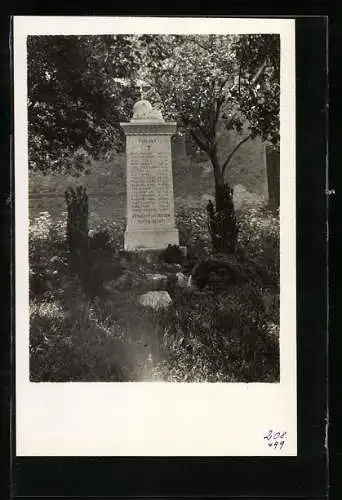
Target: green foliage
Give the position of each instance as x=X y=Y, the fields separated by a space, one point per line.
x=222 y=221
x=77 y=223
x=217 y=338
x=226 y=335
x=192 y=226
x=172 y=255
x=204 y=81
x=76 y=97
x=190 y=80
x=200 y=80
x=258 y=87
x=81 y=87
x=259 y=237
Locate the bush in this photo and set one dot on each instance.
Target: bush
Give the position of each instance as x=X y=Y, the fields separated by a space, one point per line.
x=222 y=220
x=221 y=271
x=100 y=240
x=77 y=223
x=113 y=229
x=259 y=235
x=192 y=225
x=172 y=255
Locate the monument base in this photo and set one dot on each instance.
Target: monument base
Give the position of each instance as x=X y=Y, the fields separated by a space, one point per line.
x=150 y=239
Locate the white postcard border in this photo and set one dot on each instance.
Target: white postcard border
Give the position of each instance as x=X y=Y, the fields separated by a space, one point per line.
x=156 y=419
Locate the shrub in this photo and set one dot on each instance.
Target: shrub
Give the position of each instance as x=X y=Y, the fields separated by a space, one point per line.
x=172 y=255
x=221 y=271
x=100 y=240
x=77 y=223
x=259 y=234
x=115 y=229
x=192 y=225
x=222 y=221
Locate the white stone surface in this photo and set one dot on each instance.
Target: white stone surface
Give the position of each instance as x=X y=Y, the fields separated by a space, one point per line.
x=142 y=110
x=150 y=239
x=156 y=300
x=150 y=199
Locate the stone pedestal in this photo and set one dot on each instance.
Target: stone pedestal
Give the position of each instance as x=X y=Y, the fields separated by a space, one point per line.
x=150 y=201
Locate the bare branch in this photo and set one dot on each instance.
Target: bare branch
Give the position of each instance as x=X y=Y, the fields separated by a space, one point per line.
x=230 y=156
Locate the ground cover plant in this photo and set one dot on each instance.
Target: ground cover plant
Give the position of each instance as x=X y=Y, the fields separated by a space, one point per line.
x=214 y=333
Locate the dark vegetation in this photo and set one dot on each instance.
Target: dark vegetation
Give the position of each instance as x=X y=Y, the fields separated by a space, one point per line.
x=223 y=328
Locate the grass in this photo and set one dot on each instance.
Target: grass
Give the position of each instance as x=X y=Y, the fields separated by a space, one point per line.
x=203 y=336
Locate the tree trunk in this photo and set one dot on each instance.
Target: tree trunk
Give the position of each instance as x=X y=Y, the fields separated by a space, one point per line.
x=222 y=221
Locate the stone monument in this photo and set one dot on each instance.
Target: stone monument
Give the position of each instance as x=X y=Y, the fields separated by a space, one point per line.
x=150 y=203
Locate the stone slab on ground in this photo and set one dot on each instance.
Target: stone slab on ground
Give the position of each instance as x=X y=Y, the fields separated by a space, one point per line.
x=155 y=300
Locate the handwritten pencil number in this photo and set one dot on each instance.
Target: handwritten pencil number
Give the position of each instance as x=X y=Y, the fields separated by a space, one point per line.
x=275 y=439
x=276 y=444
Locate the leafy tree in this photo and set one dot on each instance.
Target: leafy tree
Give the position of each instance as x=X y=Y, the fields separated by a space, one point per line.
x=204 y=81
x=258 y=87
x=79 y=89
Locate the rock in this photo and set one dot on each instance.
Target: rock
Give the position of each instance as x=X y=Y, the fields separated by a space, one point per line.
x=156 y=281
x=181 y=280
x=156 y=300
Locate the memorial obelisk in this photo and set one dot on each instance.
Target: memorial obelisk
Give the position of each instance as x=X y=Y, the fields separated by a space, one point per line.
x=150 y=201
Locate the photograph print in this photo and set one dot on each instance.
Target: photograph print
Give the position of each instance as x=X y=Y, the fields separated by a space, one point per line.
x=154 y=207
